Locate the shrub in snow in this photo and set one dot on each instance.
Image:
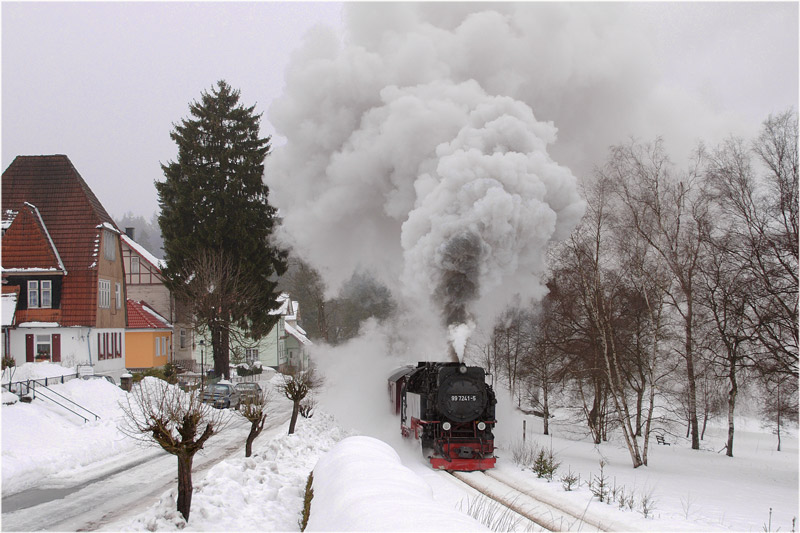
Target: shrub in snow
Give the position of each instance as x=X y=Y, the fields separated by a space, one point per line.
x=308 y=496
x=248 y=370
x=599 y=484
x=545 y=465
x=570 y=480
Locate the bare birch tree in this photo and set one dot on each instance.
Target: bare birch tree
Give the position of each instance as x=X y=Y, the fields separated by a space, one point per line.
x=671 y=214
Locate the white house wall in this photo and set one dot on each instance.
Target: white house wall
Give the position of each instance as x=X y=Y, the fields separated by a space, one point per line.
x=78 y=346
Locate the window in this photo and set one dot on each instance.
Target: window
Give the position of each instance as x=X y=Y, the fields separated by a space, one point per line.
x=158 y=346
x=40 y=294
x=46 y=288
x=33 y=294
x=134 y=265
x=104 y=294
x=183 y=338
x=109 y=245
x=118 y=294
x=164 y=350
x=43 y=347
x=251 y=354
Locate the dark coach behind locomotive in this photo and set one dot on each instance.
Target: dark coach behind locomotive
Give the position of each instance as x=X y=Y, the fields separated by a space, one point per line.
x=451 y=409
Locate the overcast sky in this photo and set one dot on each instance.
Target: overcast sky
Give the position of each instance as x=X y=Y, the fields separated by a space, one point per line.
x=104 y=82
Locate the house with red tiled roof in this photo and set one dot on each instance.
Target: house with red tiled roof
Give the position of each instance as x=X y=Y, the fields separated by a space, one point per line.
x=148 y=337
x=62 y=251
x=145 y=283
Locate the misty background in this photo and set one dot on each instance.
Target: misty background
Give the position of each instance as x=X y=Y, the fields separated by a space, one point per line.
x=381 y=112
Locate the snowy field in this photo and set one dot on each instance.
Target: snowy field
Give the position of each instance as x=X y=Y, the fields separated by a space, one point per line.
x=363 y=484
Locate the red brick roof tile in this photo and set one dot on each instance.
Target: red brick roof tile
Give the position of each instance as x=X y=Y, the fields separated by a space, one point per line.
x=71 y=212
x=27 y=245
x=142 y=316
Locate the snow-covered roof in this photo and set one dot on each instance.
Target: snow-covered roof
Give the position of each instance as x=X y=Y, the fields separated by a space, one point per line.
x=142 y=316
x=142 y=251
x=290 y=330
x=9 y=307
x=285 y=302
x=47 y=234
x=8 y=217
x=109 y=227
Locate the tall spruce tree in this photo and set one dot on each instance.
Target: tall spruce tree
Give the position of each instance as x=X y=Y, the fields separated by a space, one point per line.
x=214 y=204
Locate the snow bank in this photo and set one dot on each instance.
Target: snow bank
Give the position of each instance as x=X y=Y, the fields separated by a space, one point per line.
x=361 y=485
x=259 y=493
x=35 y=371
x=32 y=431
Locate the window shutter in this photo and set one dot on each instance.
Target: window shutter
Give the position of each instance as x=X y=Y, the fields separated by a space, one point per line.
x=56 y=347
x=29 y=348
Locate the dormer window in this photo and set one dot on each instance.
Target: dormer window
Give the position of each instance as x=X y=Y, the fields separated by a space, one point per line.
x=46 y=293
x=109 y=245
x=33 y=294
x=40 y=294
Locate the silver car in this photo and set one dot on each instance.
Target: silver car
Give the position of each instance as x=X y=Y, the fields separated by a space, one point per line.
x=248 y=392
x=221 y=395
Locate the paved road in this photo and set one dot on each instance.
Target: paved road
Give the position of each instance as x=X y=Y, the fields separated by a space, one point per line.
x=127 y=490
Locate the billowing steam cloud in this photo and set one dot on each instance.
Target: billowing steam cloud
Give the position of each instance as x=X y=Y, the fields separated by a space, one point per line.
x=410 y=153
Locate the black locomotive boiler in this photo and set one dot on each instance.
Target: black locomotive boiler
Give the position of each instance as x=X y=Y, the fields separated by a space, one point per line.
x=450 y=408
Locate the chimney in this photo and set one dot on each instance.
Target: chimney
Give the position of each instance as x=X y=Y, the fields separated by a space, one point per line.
x=129 y=233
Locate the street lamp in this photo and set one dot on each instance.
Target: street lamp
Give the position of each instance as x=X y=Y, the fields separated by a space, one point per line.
x=202 y=344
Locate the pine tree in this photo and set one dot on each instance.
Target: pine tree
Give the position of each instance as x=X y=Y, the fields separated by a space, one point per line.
x=214 y=203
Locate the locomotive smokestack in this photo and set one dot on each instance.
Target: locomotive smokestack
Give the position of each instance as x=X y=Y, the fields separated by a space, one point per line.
x=452 y=355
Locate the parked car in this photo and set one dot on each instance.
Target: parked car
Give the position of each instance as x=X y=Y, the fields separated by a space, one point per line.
x=248 y=392
x=222 y=395
x=101 y=376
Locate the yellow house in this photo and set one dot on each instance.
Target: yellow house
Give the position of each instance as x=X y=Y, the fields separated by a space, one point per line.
x=148 y=339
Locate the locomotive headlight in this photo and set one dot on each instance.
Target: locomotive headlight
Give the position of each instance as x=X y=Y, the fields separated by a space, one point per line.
x=446 y=426
x=481 y=426
x=463 y=369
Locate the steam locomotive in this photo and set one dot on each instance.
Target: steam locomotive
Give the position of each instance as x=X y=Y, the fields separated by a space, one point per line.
x=449 y=407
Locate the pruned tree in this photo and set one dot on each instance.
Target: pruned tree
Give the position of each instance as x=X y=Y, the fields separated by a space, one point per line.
x=254 y=409
x=158 y=413
x=214 y=200
x=297 y=384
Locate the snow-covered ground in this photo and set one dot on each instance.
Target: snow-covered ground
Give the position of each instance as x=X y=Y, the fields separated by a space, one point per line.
x=365 y=484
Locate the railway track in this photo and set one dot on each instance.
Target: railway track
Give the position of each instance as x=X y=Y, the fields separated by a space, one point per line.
x=537 y=508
